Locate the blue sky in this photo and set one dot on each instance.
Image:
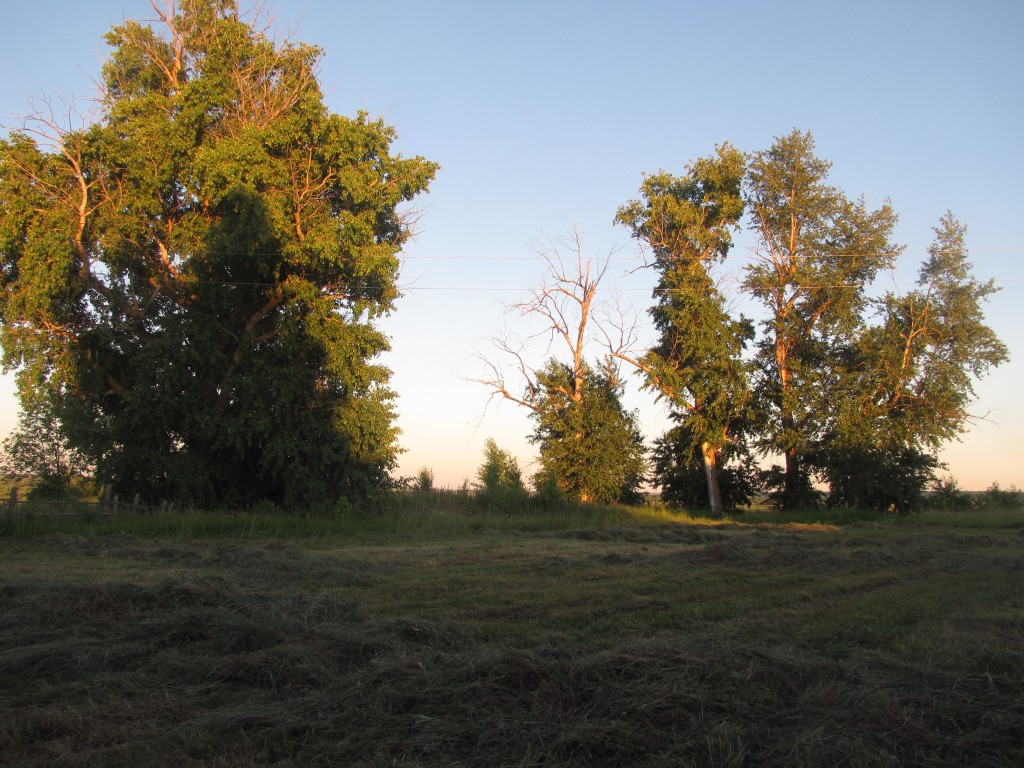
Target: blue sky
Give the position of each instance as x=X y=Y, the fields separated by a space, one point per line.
x=544 y=115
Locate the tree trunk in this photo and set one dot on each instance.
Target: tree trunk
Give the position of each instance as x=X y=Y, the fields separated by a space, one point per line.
x=709 y=454
x=791 y=482
x=791 y=498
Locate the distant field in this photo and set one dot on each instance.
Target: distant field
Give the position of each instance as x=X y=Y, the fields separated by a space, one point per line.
x=605 y=638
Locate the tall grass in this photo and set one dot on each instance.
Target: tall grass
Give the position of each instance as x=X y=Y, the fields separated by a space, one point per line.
x=445 y=514
x=424 y=515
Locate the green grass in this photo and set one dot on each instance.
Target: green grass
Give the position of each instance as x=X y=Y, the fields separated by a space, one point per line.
x=451 y=635
x=968 y=518
x=412 y=516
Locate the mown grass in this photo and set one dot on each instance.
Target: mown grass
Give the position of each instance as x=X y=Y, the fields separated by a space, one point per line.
x=593 y=638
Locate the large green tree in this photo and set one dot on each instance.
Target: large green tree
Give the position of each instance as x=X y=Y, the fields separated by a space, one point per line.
x=687 y=223
x=913 y=380
x=817 y=252
x=196 y=276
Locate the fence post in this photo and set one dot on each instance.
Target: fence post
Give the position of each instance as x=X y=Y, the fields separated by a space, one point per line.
x=14 y=500
x=135 y=504
x=107 y=490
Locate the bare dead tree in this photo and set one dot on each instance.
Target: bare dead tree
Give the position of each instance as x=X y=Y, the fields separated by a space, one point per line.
x=564 y=304
x=590 y=447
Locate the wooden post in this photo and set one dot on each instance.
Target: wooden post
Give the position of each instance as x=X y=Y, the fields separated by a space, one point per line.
x=14 y=500
x=116 y=499
x=108 y=489
x=135 y=504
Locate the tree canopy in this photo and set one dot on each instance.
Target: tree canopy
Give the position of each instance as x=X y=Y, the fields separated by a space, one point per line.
x=687 y=224
x=854 y=392
x=196 y=276
x=818 y=251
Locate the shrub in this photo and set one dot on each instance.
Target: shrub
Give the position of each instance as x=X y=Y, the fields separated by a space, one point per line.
x=882 y=479
x=500 y=478
x=995 y=497
x=946 y=493
x=424 y=480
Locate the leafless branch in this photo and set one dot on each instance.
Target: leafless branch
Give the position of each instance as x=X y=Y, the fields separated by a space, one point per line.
x=565 y=312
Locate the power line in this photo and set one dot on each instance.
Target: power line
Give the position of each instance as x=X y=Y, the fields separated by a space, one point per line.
x=731 y=256
x=997 y=281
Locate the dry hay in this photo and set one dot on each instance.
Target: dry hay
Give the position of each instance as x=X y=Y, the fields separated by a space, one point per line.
x=201 y=671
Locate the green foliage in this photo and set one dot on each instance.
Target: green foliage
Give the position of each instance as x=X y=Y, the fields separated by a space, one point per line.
x=945 y=493
x=687 y=223
x=918 y=363
x=199 y=273
x=881 y=478
x=995 y=497
x=818 y=251
x=909 y=382
x=590 y=446
x=424 y=480
x=37 y=450
x=785 y=494
x=548 y=491
x=678 y=470
x=500 y=478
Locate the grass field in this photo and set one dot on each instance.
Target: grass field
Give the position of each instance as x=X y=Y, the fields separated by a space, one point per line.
x=428 y=635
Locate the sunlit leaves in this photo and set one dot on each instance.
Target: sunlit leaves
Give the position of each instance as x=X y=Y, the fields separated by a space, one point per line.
x=197 y=273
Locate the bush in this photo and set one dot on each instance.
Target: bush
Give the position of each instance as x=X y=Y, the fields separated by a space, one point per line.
x=882 y=479
x=995 y=497
x=501 y=480
x=424 y=480
x=679 y=473
x=773 y=481
x=548 y=492
x=946 y=493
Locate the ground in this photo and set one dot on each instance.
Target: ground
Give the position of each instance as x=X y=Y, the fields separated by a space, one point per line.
x=647 y=642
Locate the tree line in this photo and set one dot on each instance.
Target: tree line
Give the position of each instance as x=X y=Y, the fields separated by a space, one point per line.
x=191 y=286
x=853 y=391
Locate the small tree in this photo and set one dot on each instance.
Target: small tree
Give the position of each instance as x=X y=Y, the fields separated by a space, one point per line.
x=499 y=475
x=424 y=480
x=589 y=444
x=37 y=449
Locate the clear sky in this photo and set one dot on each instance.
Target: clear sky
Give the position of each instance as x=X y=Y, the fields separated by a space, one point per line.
x=545 y=113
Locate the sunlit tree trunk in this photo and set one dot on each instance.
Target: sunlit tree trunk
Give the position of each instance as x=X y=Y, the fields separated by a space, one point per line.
x=709 y=455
